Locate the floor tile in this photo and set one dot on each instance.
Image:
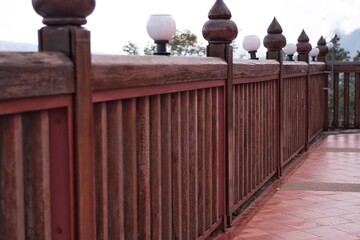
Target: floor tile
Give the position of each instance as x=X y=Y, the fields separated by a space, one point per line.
x=329 y=211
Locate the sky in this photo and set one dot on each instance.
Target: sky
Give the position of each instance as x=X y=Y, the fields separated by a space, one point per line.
x=114 y=22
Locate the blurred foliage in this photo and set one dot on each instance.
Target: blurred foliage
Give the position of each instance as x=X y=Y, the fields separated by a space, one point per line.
x=131 y=48
x=184 y=43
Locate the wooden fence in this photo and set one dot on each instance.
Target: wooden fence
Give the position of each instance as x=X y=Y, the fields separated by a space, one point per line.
x=161 y=170
x=344 y=94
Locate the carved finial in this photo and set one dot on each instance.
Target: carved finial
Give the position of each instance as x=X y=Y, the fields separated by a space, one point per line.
x=219 y=11
x=303 y=47
x=219 y=28
x=323 y=49
x=274 y=41
x=64 y=12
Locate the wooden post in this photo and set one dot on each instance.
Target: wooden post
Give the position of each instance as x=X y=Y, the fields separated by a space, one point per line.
x=64 y=33
x=220 y=31
x=274 y=41
x=303 y=48
x=324 y=50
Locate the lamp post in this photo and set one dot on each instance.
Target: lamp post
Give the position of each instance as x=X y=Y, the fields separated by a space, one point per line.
x=314 y=53
x=251 y=44
x=161 y=28
x=290 y=50
x=330 y=46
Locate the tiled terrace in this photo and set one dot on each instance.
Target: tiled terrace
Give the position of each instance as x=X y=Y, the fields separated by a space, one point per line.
x=319 y=198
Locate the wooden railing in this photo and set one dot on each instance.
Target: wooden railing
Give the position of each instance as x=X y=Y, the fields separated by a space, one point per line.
x=159 y=125
x=344 y=95
x=36 y=147
x=161 y=170
x=255 y=129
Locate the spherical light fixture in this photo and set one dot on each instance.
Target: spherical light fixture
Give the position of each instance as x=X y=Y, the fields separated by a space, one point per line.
x=289 y=50
x=314 y=53
x=251 y=44
x=161 y=28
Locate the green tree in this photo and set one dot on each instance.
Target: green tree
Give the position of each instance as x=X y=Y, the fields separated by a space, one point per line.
x=131 y=48
x=149 y=49
x=339 y=53
x=357 y=57
x=185 y=43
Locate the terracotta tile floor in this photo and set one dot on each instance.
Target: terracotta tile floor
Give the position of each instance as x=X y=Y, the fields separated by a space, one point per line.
x=318 y=198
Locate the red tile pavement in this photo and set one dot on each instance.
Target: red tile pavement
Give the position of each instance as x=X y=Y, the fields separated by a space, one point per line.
x=318 y=198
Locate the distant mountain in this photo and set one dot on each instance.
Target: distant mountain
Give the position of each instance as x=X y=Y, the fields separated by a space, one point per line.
x=17 y=47
x=351 y=42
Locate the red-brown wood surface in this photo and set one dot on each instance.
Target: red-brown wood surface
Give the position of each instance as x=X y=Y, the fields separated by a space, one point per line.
x=155 y=168
x=101 y=174
x=357 y=100
x=336 y=101
x=346 y=106
x=84 y=134
x=159 y=147
x=345 y=96
x=35 y=74
x=176 y=190
x=11 y=178
x=254 y=157
x=166 y=166
x=294 y=107
x=37 y=176
x=316 y=104
x=36 y=147
x=61 y=175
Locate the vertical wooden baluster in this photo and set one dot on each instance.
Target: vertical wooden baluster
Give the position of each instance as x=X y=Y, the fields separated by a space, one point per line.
x=166 y=166
x=101 y=171
x=12 y=212
x=155 y=167
x=143 y=168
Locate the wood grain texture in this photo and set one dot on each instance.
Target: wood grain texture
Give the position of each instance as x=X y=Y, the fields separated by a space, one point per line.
x=166 y=166
x=37 y=176
x=112 y=72
x=294 y=107
x=35 y=74
x=255 y=68
x=254 y=138
x=161 y=134
x=116 y=169
x=193 y=165
x=84 y=135
x=317 y=67
x=143 y=168
x=201 y=161
x=130 y=169
x=176 y=156
x=155 y=167
x=12 y=212
x=101 y=171
x=316 y=107
x=344 y=67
